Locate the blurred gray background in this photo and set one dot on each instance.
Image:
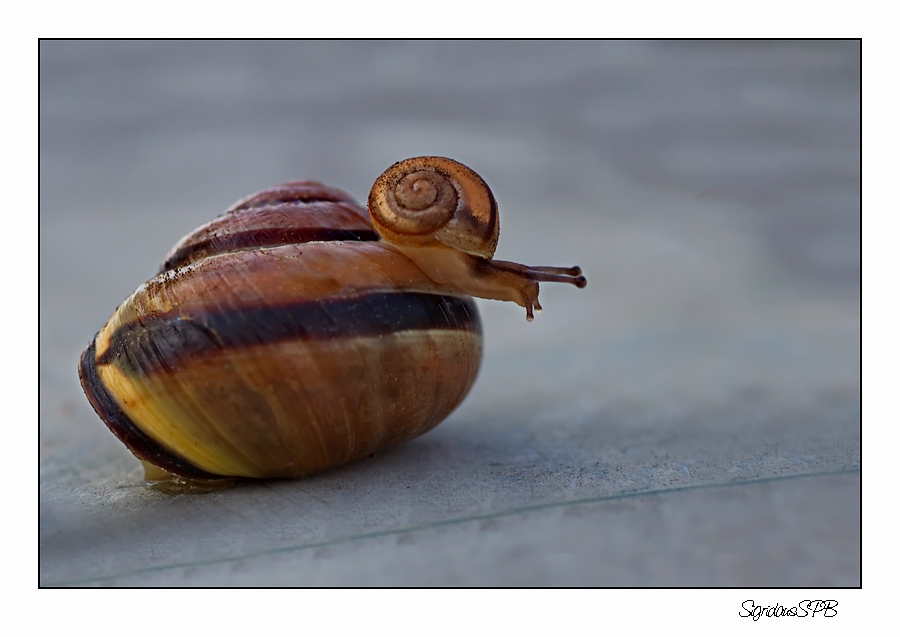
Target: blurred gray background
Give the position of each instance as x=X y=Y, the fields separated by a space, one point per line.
x=690 y=418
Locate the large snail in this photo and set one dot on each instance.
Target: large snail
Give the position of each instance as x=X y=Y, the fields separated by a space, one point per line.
x=292 y=334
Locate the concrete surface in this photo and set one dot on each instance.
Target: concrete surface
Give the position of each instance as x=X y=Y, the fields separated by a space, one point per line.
x=690 y=418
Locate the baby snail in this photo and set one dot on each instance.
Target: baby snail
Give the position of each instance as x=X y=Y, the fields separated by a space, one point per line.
x=296 y=333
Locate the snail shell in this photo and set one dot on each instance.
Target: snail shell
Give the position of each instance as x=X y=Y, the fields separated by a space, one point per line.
x=424 y=200
x=292 y=334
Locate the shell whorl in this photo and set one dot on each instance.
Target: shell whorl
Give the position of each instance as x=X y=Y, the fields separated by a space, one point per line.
x=419 y=202
x=426 y=199
x=284 y=214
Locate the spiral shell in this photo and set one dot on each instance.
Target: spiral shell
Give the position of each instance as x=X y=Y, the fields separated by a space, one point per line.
x=281 y=339
x=434 y=199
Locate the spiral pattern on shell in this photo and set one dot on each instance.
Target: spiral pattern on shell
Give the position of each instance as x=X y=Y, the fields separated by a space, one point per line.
x=418 y=202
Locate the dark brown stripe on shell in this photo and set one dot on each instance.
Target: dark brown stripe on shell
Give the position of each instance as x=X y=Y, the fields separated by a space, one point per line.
x=261 y=238
x=125 y=429
x=161 y=342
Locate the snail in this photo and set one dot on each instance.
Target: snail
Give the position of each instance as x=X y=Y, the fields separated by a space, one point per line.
x=296 y=333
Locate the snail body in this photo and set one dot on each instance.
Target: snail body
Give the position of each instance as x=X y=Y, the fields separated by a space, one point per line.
x=296 y=332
